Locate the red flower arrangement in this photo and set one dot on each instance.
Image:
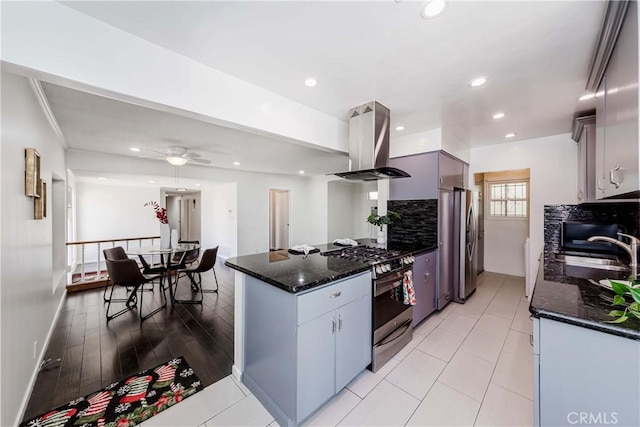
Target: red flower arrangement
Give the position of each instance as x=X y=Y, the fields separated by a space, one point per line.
x=161 y=213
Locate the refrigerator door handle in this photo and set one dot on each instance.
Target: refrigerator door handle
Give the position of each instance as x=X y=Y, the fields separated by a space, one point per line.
x=472 y=234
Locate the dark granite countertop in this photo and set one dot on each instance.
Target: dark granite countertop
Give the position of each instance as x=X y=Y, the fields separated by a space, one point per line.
x=566 y=294
x=296 y=273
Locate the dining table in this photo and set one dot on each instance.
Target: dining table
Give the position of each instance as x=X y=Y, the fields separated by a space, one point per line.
x=167 y=258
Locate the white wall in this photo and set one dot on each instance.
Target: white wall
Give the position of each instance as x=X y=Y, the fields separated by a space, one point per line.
x=110 y=211
x=421 y=142
x=251 y=212
x=28 y=304
x=348 y=207
x=504 y=245
x=340 y=210
x=58 y=44
x=553 y=165
x=362 y=209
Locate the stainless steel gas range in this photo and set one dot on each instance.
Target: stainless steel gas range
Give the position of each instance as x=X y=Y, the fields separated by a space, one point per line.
x=391 y=316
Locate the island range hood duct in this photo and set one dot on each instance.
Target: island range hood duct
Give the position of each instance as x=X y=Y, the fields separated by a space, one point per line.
x=369 y=144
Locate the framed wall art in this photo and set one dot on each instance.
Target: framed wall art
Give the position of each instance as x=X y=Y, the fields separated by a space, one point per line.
x=32 y=173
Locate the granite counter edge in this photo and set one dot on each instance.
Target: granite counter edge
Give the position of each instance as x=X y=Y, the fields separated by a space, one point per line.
x=589 y=324
x=296 y=289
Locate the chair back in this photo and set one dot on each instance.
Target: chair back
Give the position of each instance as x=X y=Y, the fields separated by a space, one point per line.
x=115 y=253
x=208 y=260
x=124 y=272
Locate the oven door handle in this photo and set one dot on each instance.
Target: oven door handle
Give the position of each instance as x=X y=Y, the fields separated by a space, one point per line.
x=395 y=334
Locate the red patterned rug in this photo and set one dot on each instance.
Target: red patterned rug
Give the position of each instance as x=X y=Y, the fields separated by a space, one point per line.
x=128 y=402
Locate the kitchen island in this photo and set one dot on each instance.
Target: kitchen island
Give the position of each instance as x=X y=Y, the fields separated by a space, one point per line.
x=307 y=326
x=586 y=370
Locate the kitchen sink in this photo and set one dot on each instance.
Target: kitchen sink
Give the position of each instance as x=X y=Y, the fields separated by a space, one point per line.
x=589 y=262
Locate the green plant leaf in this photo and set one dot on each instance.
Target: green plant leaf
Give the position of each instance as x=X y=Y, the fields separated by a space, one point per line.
x=616 y=313
x=635 y=294
x=618 y=300
x=618 y=320
x=634 y=306
x=619 y=288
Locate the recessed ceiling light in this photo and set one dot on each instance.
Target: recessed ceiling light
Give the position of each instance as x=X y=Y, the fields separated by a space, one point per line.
x=301 y=172
x=236 y=163
x=181 y=189
x=197 y=185
x=310 y=82
x=399 y=128
x=433 y=8
x=587 y=97
x=497 y=116
x=102 y=178
x=510 y=135
x=152 y=182
x=479 y=81
x=136 y=149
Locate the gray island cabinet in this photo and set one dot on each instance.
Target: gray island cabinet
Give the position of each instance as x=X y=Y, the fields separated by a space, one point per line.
x=300 y=349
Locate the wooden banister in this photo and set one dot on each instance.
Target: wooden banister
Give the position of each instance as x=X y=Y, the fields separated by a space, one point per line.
x=111 y=240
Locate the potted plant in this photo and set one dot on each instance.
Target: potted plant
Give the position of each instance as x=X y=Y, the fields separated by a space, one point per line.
x=161 y=215
x=381 y=220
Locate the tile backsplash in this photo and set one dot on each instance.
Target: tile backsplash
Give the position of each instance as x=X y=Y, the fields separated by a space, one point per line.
x=626 y=215
x=418 y=223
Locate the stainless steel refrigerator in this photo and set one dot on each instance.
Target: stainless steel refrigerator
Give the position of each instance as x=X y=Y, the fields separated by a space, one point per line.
x=465 y=245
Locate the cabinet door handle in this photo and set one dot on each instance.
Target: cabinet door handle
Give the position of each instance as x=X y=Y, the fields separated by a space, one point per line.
x=339 y=322
x=441 y=180
x=580 y=195
x=611 y=180
x=426 y=275
x=336 y=295
x=333 y=325
x=601 y=188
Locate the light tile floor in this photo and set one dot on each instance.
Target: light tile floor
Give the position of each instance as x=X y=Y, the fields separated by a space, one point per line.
x=467 y=365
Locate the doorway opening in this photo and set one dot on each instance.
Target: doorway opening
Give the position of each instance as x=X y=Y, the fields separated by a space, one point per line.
x=502 y=203
x=58 y=230
x=184 y=214
x=278 y=219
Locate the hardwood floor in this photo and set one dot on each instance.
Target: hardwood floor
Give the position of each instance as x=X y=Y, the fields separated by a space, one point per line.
x=95 y=353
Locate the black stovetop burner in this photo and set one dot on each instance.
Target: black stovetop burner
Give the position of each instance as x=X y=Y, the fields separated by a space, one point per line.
x=369 y=254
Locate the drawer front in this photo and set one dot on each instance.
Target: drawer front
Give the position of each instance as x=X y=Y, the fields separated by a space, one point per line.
x=317 y=302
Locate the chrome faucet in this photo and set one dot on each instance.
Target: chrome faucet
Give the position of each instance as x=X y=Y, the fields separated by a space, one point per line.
x=631 y=248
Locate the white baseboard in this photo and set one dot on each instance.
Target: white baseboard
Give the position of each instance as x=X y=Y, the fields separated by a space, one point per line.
x=34 y=376
x=236 y=373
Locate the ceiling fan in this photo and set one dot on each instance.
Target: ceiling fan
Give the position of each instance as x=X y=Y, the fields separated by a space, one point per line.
x=178 y=155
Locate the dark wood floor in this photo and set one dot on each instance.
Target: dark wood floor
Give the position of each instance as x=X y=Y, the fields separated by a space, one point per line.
x=95 y=353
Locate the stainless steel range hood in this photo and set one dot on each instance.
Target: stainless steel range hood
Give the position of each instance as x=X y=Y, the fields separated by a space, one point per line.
x=369 y=144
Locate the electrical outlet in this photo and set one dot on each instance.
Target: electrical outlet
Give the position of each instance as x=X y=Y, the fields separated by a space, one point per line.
x=35 y=349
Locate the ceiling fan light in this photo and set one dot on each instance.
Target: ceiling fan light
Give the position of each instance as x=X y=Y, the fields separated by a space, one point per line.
x=176 y=160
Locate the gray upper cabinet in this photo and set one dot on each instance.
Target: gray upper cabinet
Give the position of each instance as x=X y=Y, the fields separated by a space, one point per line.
x=423 y=169
x=585 y=134
x=601 y=109
x=451 y=172
x=617 y=139
x=429 y=173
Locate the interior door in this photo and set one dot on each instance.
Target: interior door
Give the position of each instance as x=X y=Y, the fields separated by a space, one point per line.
x=278 y=219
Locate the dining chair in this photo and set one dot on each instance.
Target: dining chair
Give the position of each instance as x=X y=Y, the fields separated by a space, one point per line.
x=125 y=273
x=207 y=262
x=114 y=253
x=187 y=258
x=182 y=266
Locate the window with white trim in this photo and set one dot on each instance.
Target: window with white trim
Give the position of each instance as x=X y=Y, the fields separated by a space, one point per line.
x=508 y=199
